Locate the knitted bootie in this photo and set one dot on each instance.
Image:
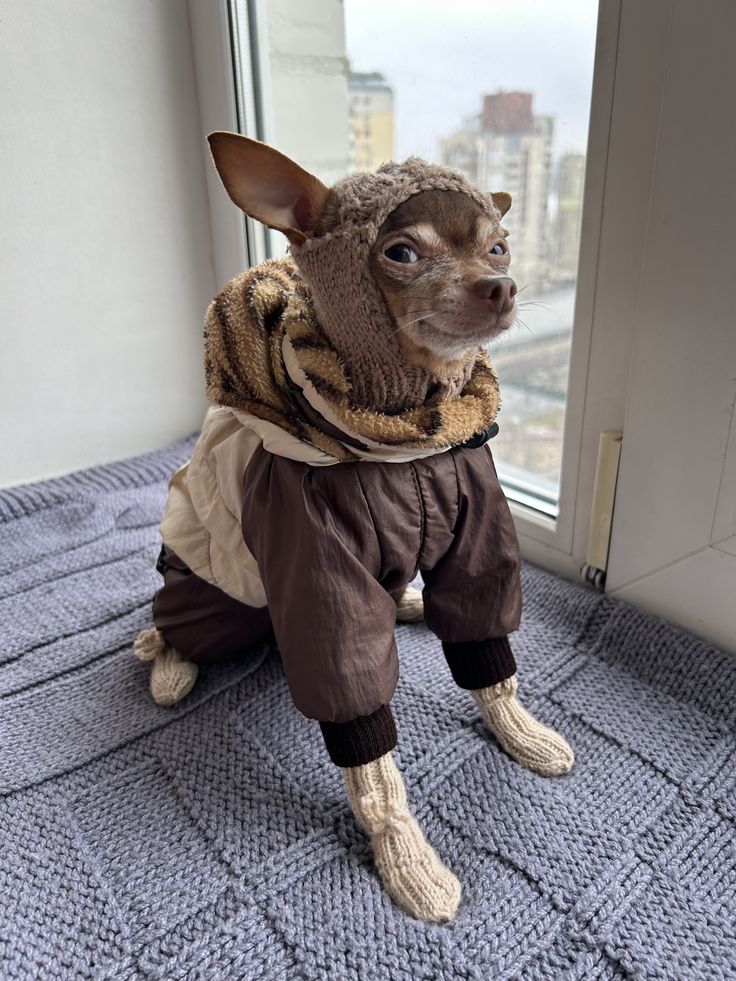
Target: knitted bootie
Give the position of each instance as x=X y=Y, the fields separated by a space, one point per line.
x=148 y=644
x=409 y=867
x=525 y=740
x=410 y=608
x=172 y=676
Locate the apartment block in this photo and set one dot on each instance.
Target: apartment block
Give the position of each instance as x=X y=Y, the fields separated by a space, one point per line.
x=507 y=147
x=371 y=120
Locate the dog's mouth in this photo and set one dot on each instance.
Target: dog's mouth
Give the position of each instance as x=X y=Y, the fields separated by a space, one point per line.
x=450 y=338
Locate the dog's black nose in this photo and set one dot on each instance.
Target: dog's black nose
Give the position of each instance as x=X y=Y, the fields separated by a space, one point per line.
x=498 y=290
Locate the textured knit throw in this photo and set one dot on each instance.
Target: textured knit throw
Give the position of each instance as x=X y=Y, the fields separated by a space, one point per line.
x=213 y=839
x=319 y=321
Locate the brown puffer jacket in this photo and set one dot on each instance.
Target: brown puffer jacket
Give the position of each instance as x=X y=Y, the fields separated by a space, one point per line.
x=330 y=547
x=336 y=545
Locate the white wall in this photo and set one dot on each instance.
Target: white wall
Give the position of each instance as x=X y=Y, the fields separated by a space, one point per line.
x=105 y=239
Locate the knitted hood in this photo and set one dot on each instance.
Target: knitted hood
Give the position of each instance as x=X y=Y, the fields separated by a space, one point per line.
x=350 y=307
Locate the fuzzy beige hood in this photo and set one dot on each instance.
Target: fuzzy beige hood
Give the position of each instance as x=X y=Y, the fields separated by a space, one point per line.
x=267 y=354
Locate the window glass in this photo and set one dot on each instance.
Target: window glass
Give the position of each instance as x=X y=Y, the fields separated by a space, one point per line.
x=498 y=91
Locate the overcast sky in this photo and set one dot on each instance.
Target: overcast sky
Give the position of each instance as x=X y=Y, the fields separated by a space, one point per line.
x=441 y=56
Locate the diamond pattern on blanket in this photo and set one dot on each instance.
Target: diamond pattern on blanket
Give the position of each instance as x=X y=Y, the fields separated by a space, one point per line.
x=214 y=839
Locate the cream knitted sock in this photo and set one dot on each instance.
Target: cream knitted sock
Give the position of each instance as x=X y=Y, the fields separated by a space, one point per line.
x=148 y=644
x=409 y=867
x=172 y=676
x=410 y=608
x=518 y=732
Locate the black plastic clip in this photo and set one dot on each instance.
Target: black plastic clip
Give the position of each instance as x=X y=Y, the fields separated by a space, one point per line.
x=481 y=438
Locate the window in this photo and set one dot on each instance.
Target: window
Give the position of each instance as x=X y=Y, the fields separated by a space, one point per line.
x=637 y=148
x=479 y=87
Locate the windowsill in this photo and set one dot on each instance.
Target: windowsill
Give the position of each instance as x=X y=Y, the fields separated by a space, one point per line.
x=535 y=495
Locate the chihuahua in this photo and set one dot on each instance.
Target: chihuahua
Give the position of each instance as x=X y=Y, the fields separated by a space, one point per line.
x=346 y=450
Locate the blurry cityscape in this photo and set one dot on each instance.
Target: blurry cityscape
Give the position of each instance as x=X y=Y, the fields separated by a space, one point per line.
x=371 y=120
x=508 y=147
x=505 y=147
x=353 y=84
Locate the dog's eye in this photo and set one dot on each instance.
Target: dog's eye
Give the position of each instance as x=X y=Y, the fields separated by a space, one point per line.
x=401 y=253
x=498 y=249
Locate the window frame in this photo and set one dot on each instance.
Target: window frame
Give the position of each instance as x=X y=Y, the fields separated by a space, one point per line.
x=558 y=543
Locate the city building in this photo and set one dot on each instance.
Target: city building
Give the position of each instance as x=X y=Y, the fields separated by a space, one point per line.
x=506 y=147
x=371 y=120
x=566 y=240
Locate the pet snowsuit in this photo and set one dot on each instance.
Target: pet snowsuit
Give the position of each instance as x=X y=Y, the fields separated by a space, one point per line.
x=328 y=472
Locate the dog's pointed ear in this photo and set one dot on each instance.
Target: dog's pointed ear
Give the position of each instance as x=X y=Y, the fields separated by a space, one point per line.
x=268 y=186
x=502 y=200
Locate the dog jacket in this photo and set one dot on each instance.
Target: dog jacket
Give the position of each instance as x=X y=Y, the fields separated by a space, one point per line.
x=329 y=470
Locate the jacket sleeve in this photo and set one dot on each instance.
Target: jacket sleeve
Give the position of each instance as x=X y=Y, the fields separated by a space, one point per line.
x=474 y=592
x=311 y=533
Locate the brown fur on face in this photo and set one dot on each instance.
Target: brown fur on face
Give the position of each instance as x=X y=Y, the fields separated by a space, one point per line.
x=439 y=315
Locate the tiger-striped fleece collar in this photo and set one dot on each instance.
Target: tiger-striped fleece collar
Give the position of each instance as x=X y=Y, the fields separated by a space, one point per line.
x=264 y=318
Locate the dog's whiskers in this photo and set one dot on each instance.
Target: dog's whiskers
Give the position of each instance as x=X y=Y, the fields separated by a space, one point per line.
x=523 y=323
x=532 y=303
x=424 y=316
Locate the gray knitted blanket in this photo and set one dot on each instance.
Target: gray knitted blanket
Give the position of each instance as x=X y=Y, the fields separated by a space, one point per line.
x=214 y=840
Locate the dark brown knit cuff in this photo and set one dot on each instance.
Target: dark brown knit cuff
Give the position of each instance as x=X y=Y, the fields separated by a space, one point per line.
x=479 y=663
x=360 y=740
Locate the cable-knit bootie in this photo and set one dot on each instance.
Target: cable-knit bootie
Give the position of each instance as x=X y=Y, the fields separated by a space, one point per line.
x=409 y=867
x=527 y=741
x=172 y=676
x=410 y=608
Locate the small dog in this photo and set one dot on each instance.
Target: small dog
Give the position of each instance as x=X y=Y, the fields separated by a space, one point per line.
x=346 y=449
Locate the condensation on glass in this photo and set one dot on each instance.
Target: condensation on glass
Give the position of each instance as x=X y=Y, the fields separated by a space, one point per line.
x=480 y=87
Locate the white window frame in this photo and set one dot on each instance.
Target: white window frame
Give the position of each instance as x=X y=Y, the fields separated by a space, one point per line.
x=617 y=150
x=559 y=543
x=631 y=55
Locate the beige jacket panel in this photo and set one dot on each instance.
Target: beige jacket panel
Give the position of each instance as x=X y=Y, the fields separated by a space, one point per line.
x=201 y=521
